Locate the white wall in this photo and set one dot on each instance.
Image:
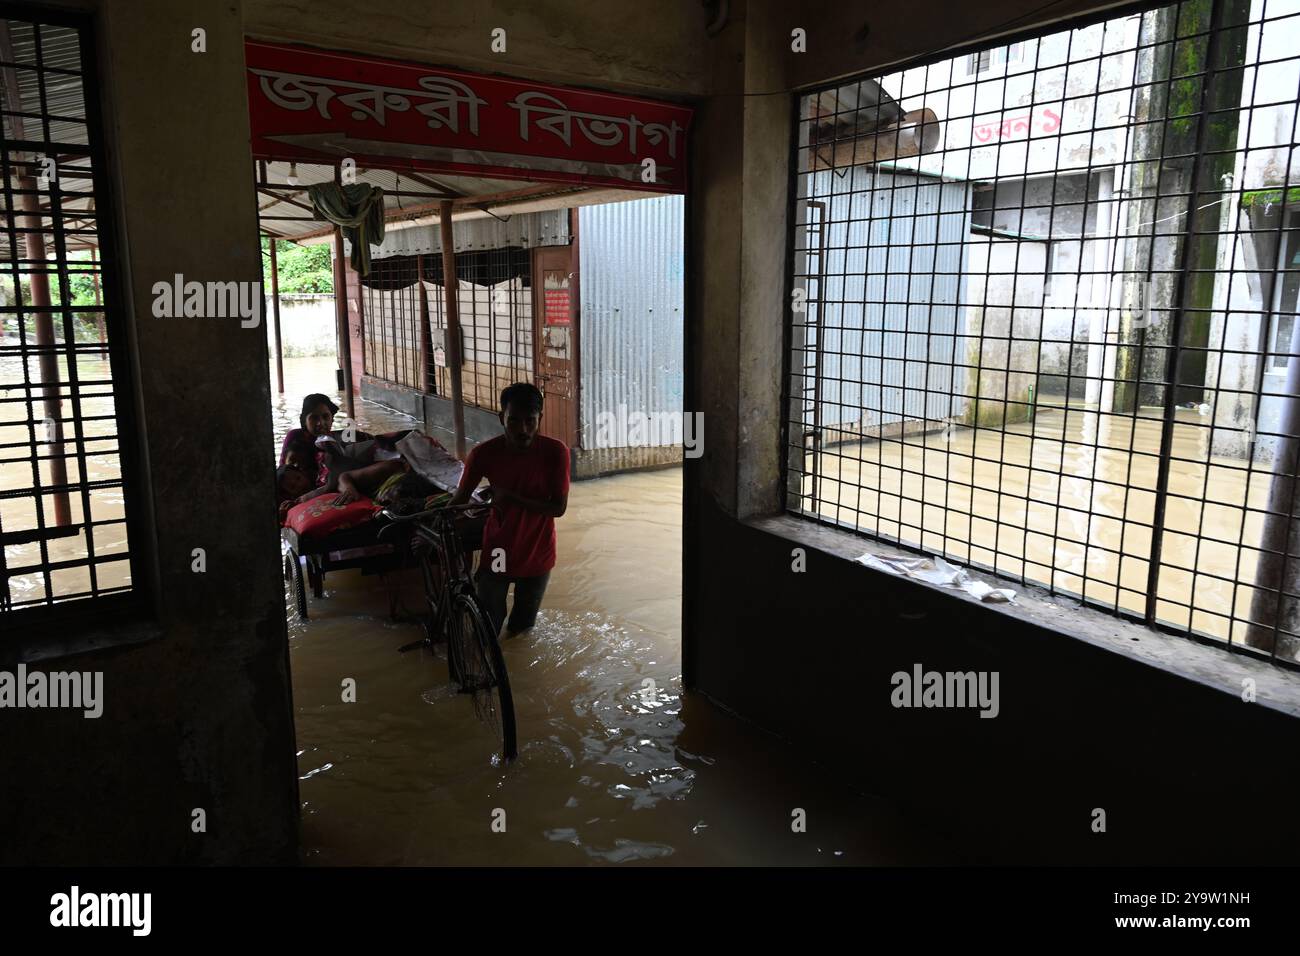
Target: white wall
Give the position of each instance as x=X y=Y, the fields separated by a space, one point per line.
x=307 y=326
x=1243 y=320
x=1056 y=134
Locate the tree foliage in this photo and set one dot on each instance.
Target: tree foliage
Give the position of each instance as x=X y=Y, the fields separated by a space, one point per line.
x=302 y=269
x=81 y=290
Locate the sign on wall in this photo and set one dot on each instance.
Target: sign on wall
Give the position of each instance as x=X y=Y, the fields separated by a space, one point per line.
x=318 y=106
x=1039 y=121
x=555 y=286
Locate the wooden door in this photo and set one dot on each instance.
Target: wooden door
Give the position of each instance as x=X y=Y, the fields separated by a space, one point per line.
x=555 y=343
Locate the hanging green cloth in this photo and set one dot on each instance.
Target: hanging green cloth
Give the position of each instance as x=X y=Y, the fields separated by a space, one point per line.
x=358 y=209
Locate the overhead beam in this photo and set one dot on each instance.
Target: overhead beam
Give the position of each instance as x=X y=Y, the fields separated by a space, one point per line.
x=292 y=202
x=447 y=191
x=469 y=202
x=405 y=194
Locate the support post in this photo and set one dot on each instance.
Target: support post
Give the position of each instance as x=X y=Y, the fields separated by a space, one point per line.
x=341 y=311
x=453 y=324
x=426 y=335
x=275 y=311
x=39 y=281
x=99 y=303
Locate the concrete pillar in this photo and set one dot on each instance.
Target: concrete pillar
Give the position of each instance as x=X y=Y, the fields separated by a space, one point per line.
x=198 y=711
x=739 y=182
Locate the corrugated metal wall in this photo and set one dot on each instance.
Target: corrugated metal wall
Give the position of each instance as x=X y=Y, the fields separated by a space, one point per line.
x=522 y=230
x=631 y=331
x=894 y=278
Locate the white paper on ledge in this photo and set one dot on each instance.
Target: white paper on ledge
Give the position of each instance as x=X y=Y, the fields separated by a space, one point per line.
x=938 y=571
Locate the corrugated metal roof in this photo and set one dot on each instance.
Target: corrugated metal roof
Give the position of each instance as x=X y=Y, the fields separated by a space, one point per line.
x=860 y=106
x=51 y=111
x=430 y=187
x=60 y=49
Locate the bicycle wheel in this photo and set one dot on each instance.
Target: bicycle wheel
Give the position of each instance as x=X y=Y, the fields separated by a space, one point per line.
x=293 y=565
x=480 y=669
x=432 y=600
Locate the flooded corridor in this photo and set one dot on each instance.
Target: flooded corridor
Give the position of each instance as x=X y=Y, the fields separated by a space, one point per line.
x=616 y=764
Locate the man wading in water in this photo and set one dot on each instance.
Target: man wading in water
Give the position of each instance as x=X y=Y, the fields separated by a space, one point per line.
x=529 y=475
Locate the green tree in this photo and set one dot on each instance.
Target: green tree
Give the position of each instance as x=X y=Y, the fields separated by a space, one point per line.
x=81 y=289
x=302 y=269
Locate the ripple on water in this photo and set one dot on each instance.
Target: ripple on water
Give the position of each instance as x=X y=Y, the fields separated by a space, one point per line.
x=548 y=752
x=622 y=850
x=603 y=693
x=441 y=693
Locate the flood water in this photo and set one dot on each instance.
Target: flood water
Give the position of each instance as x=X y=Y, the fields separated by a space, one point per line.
x=616 y=765
x=101 y=505
x=1068 y=501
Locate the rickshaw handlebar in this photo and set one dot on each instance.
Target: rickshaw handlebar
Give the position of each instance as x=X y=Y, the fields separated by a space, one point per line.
x=417 y=516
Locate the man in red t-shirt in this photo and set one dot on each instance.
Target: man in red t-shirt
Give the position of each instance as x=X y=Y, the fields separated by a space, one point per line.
x=529 y=475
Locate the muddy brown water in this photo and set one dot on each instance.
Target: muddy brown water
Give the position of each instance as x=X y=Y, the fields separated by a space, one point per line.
x=1067 y=501
x=20 y=513
x=616 y=765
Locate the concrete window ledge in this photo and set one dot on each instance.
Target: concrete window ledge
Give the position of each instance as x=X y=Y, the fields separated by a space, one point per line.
x=50 y=647
x=1218 y=668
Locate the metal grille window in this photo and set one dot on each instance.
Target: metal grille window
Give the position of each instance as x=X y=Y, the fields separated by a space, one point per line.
x=495 y=310
x=63 y=508
x=1043 y=316
x=393 y=310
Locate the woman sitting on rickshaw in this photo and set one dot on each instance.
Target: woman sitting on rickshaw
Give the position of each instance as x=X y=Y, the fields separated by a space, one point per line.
x=313 y=457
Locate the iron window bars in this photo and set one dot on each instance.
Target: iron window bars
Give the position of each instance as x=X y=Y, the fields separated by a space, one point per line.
x=1042 y=315
x=65 y=454
x=495 y=310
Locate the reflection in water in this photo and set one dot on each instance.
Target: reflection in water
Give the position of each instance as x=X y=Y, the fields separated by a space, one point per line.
x=616 y=764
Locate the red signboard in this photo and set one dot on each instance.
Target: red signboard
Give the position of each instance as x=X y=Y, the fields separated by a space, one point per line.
x=316 y=106
x=557 y=306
